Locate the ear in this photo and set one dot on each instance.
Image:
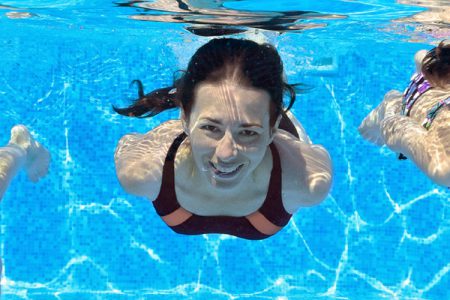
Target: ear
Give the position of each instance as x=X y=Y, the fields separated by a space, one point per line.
x=274 y=129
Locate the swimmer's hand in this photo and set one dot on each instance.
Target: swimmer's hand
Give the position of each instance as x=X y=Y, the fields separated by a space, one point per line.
x=371 y=127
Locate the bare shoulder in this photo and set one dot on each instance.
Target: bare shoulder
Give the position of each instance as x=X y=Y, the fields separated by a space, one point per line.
x=139 y=158
x=307 y=172
x=152 y=140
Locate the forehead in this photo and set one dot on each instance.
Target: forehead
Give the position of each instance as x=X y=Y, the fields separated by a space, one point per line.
x=230 y=100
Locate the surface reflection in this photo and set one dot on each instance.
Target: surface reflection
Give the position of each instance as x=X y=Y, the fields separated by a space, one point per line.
x=212 y=18
x=433 y=23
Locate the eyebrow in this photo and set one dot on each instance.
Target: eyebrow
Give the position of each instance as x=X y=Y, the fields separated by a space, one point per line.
x=241 y=125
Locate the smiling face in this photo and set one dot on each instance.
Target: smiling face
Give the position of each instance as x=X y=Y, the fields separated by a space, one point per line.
x=229 y=131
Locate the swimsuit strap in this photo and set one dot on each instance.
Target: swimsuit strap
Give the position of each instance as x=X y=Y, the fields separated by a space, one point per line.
x=414 y=81
x=417 y=87
x=411 y=88
x=431 y=115
x=433 y=112
x=272 y=207
x=166 y=202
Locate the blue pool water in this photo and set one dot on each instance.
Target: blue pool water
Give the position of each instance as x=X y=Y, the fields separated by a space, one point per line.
x=382 y=233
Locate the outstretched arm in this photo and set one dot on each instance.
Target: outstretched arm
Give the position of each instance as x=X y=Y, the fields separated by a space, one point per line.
x=140 y=158
x=370 y=127
x=318 y=171
x=428 y=149
x=307 y=172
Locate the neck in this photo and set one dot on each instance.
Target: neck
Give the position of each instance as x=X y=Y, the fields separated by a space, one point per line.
x=254 y=183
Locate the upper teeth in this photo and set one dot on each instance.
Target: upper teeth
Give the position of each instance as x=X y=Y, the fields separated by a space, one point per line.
x=226 y=170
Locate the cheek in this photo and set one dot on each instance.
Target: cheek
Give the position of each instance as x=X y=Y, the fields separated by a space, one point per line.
x=200 y=142
x=255 y=153
x=257 y=144
x=254 y=149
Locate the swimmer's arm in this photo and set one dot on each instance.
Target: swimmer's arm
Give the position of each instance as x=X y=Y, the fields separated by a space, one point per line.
x=318 y=171
x=370 y=127
x=308 y=170
x=139 y=159
x=404 y=135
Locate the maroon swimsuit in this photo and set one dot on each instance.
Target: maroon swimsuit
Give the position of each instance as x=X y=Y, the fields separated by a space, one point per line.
x=272 y=208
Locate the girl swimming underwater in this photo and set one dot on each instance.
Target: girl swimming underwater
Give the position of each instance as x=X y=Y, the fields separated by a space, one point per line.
x=416 y=124
x=235 y=162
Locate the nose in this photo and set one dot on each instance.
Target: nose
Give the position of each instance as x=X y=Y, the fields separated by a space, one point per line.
x=226 y=149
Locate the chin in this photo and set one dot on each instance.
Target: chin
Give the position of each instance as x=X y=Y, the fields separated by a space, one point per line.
x=223 y=185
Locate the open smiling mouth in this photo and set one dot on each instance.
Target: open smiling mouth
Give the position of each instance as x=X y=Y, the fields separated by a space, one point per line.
x=225 y=173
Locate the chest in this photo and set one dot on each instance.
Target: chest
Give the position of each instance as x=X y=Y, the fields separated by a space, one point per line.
x=221 y=205
x=196 y=193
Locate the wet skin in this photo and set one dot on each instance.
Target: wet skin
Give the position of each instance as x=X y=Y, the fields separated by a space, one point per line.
x=229 y=133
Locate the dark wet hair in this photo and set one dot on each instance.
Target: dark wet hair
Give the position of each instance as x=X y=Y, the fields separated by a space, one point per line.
x=436 y=65
x=257 y=65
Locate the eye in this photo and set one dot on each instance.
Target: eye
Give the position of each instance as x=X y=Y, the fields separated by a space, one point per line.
x=210 y=128
x=248 y=133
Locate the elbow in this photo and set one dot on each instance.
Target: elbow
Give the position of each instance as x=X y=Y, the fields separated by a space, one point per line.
x=131 y=183
x=319 y=189
x=439 y=172
x=127 y=183
x=320 y=182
